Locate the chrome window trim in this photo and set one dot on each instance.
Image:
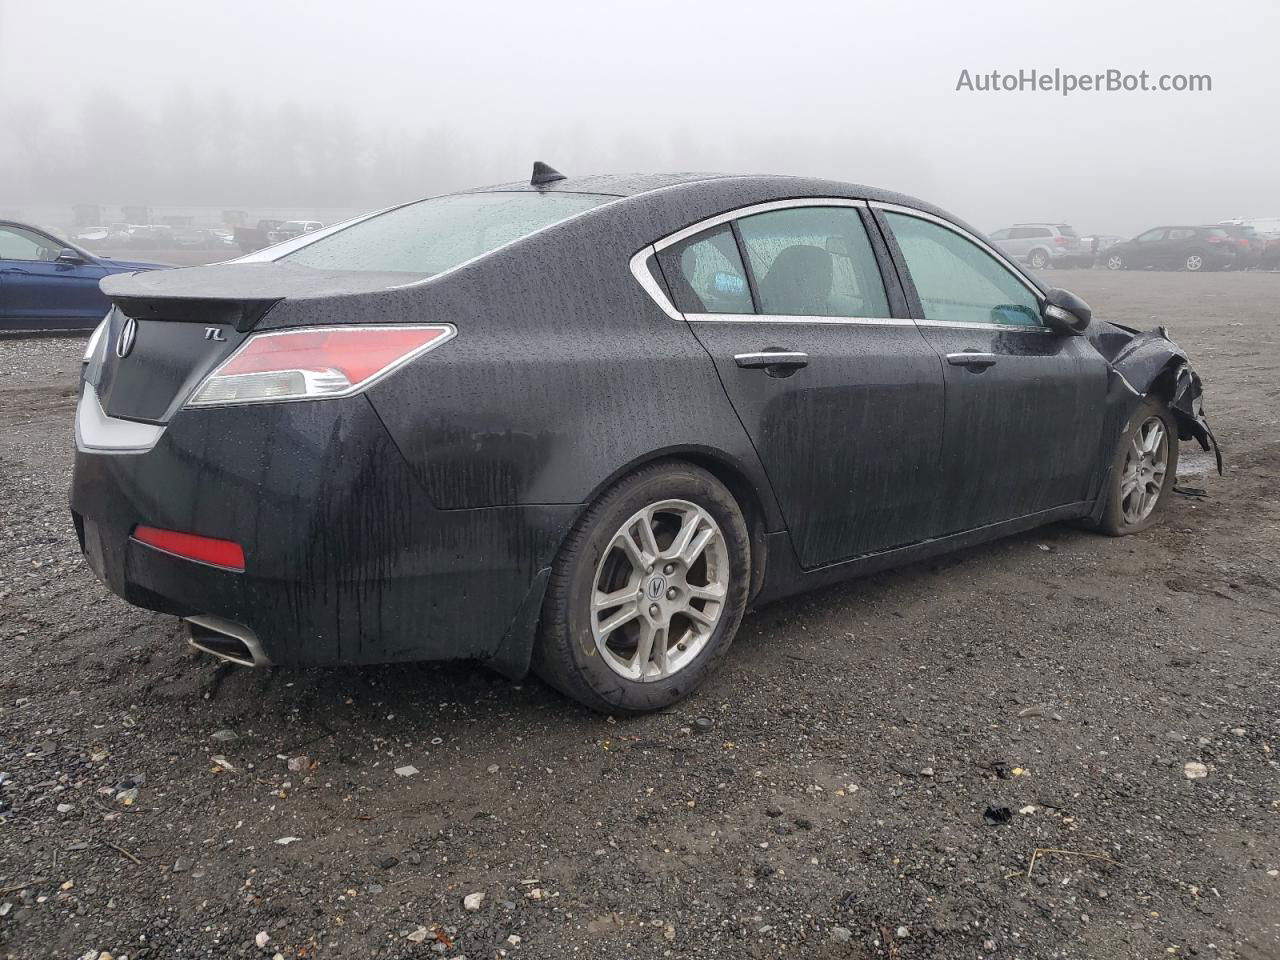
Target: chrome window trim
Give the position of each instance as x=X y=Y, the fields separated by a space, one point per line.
x=780 y=318
x=643 y=272
x=738 y=214
x=961 y=232
x=965 y=325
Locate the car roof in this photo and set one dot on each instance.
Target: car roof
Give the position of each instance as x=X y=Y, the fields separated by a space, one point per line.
x=721 y=191
x=638 y=184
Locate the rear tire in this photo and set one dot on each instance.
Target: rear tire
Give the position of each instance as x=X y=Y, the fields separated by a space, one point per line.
x=1038 y=259
x=1194 y=263
x=632 y=622
x=1144 y=469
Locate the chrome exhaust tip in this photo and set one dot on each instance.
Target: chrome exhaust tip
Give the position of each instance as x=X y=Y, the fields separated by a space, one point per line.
x=225 y=639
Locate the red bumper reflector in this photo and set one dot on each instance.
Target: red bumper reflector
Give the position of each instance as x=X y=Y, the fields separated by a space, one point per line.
x=218 y=553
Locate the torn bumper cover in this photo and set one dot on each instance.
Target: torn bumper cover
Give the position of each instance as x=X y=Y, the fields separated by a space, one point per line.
x=1151 y=362
x=1188 y=409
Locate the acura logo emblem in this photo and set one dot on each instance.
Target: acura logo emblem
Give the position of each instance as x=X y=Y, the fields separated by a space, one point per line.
x=128 y=334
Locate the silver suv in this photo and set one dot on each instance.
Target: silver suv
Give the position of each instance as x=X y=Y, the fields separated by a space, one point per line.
x=1041 y=244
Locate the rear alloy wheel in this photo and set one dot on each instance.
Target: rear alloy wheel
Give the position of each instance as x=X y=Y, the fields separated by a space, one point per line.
x=647 y=592
x=1143 y=471
x=1195 y=262
x=1115 y=262
x=1039 y=259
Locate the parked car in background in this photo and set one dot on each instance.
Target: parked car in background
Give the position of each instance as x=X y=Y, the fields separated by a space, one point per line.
x=203 y=239
x=293 y=228
x=1041 y=245
x=1249 y=244
x=112 y=235
x=1268 y=230
x=1175 y=248
x=249 y=239
x=152 y=236
x=47 y=283
x=1097 y=242
x=582 y=423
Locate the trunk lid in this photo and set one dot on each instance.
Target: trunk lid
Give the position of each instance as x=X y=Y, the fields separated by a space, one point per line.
x=185 y=322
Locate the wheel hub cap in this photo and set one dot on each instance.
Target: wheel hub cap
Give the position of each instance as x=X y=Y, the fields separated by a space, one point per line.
x=659 y=590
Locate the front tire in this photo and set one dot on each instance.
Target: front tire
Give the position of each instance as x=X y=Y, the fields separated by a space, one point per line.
x=647 y=592
x=1115 y=262
x=1143 y=470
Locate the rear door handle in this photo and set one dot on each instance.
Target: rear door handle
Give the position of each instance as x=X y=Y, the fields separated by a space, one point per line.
x=976 y=361
x=772 y=358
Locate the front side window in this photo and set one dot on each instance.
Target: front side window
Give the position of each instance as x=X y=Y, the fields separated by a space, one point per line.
x=959 y=282
x=813 y=262
x=1001 y=234
x=19 y=244
x=431 y=236
x=1151 y=236
x=706 y=274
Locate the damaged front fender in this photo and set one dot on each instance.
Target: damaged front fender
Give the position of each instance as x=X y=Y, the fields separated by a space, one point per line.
x=1151 y=363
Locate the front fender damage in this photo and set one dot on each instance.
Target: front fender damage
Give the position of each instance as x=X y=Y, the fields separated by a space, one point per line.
x=1152 y=363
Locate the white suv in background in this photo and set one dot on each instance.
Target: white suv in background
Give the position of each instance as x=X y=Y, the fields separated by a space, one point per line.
x=1042 y=244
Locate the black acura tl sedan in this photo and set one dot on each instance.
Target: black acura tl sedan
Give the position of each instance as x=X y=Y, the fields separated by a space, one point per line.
x=580 y=424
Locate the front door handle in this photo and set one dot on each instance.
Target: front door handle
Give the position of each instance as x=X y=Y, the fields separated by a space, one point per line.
x=972 y=360
x=772 y=358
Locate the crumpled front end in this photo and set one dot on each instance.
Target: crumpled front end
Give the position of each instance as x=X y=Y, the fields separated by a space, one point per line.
x=1152 y=362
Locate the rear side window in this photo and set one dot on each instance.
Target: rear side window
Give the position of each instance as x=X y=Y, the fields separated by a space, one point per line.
x=1182 y=233
x=432 y=236
x=959 y=282
x=813 y=262
x=706 y=274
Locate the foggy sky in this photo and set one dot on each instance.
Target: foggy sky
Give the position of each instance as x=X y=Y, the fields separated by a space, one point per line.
x=356 y=105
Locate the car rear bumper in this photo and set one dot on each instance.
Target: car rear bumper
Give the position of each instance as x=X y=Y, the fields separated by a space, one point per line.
x=346 y=560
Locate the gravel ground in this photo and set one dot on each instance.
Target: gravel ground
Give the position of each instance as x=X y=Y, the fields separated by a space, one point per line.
x=822 y=796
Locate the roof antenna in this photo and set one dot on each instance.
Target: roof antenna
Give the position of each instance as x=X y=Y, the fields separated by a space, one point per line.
x=544 y=174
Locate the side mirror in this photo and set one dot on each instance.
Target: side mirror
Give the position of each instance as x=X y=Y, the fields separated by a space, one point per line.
x=68 y=256
x=1064 y=312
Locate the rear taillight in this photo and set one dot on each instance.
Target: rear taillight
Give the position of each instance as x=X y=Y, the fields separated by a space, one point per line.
x=1215 y=240
x=315 y=363
x=190 y=546
x=1060 y=241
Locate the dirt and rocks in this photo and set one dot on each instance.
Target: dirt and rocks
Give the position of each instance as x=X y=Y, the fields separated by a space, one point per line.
x=1059 y=745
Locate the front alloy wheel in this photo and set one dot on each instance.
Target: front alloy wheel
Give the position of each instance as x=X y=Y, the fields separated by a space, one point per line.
x=647 y=592
x=1143 y=470
x=1115 y=262
x=1145 y=465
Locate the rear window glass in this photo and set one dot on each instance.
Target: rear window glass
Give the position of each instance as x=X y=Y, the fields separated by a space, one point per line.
x=432 y=236
x=1066 y=230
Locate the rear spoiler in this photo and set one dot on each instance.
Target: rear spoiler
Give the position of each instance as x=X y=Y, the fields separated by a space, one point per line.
x=241 y=314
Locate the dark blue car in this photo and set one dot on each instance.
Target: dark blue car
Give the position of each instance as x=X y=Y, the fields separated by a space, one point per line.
x=50 y=284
